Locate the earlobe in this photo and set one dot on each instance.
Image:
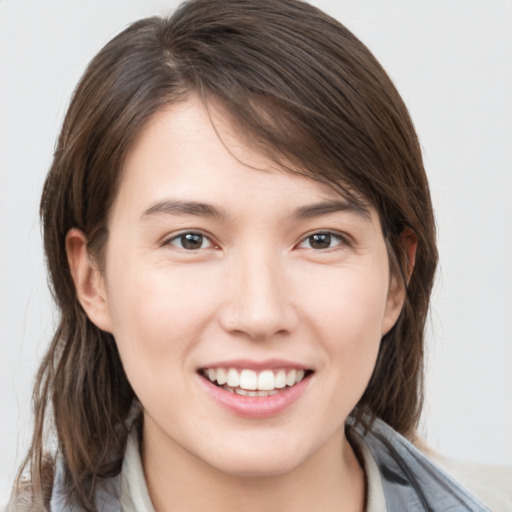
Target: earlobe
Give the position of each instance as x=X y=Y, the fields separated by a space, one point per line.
x=88 y=280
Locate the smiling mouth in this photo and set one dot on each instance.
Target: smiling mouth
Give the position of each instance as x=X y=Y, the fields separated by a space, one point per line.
x=248 y=382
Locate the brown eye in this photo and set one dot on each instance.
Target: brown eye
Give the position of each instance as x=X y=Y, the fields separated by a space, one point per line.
x=321 y=240
x=191 y=241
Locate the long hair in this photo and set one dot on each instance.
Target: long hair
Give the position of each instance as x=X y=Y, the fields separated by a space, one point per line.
x=307 y=93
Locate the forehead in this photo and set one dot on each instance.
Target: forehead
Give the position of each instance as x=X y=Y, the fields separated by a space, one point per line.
x=191 y=148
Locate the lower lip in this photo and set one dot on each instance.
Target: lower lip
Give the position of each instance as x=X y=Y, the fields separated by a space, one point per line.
x=256 y=406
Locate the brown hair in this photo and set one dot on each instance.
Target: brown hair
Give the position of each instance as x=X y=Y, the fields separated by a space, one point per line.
x=309 y=94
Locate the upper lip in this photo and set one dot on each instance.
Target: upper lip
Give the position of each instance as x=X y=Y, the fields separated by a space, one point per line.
x=251 y=364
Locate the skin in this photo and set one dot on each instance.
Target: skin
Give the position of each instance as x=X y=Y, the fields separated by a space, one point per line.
x=256 y=288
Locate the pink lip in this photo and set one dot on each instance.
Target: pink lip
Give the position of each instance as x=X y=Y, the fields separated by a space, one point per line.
x=255 y=406
x=267 y=364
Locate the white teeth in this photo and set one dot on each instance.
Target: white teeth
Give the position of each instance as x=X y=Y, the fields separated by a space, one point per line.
x=233 y=378
x=249 y=380
x=221 y=376
x=265 y=380
x=280 y=379
x=290 y=378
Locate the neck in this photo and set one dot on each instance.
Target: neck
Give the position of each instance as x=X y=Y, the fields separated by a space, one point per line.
x=331 y=479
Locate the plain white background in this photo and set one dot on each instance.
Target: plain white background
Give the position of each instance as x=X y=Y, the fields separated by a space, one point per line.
x=451 y=62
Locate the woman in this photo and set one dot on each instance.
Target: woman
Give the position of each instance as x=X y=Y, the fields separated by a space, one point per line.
x=241 y=243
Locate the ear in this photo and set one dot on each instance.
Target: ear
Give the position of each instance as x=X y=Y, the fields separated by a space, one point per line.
x=410 y=245
x=397 y=287
x=89 y=282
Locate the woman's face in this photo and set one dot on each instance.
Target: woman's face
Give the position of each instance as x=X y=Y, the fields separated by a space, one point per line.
x=220 y=266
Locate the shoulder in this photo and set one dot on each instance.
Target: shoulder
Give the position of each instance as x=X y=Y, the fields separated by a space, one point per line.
x=22 y=495
x=491 y=484
x=412 y=480
x=56 y=495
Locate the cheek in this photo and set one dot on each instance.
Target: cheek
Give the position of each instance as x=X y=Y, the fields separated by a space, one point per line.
x=157 y=315
x=348 y=305
x=346 y=314
x=158 y=318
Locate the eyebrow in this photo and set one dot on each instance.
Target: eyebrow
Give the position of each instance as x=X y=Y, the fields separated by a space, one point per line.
x=171 y=207
x=198 y=209
x=329 y=207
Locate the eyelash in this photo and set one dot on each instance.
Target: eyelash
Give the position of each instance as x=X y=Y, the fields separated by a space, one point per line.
x=339 y=238
x=330 y=236
x=170 y=241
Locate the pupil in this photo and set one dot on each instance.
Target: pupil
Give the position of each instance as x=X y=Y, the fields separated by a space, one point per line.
x=191 y=241
x=320 y=241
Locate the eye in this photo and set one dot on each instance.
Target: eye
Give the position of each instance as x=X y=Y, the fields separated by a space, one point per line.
x=322 y=240
x=190 y=241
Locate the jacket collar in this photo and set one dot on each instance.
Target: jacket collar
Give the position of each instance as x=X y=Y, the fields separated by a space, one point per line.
x=410 y=480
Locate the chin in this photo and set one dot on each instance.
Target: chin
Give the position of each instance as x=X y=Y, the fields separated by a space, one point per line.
x=258 y=467
x=258 y=459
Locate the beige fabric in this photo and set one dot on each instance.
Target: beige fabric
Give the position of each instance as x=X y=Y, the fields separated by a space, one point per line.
x=492 y=485
x=375 y=499
x=134 y=491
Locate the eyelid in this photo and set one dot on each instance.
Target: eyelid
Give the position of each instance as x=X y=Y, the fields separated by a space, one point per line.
x=167 y=241
x=343 y=239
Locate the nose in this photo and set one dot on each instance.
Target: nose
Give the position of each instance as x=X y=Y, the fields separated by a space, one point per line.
x=258 y=302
